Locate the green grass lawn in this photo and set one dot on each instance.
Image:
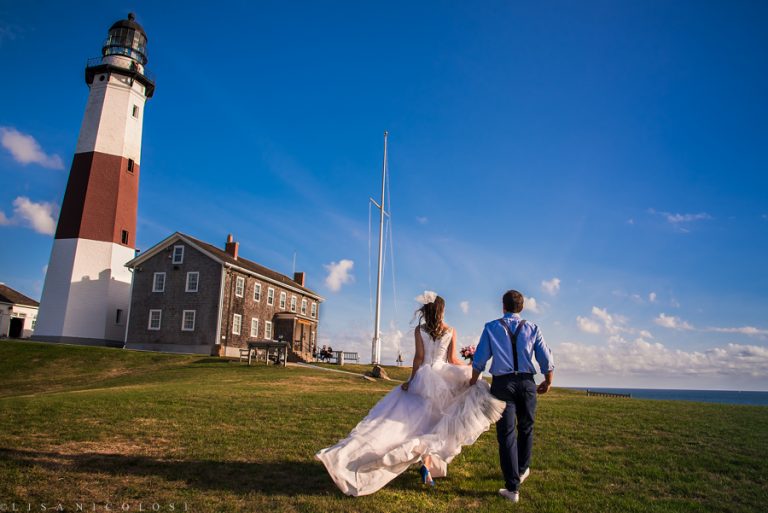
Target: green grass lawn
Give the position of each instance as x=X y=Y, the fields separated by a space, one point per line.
x=86 y=424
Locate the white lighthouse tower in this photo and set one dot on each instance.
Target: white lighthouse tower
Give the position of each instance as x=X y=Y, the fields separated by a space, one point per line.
x=87 y=287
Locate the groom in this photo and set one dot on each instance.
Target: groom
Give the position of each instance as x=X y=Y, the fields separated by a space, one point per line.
x=512 y=343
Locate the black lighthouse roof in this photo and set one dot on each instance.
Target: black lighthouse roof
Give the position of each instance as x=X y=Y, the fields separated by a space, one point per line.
x=129 y=23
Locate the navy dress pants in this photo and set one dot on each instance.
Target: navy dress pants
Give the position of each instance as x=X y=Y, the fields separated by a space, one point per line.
x=515 y=445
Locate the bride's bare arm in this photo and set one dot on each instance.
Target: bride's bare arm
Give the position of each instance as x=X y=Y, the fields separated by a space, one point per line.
x=418 y=358
x=452 y=351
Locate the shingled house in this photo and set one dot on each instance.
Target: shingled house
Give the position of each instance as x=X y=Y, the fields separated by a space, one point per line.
x=189 y=296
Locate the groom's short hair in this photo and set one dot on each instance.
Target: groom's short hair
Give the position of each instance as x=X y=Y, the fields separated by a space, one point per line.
x=513 y=301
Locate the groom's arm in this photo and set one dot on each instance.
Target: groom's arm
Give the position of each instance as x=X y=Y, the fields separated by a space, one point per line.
x=482 y=354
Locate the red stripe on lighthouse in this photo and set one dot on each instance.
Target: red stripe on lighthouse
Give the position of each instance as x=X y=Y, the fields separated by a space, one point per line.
x=101 y=199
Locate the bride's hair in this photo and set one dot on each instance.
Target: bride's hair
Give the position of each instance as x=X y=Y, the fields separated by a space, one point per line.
x=431 y=315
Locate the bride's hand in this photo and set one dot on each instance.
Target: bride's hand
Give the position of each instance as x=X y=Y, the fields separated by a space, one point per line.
x=404 y=386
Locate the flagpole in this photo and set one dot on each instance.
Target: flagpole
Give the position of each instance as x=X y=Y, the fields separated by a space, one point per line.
x=376 y=344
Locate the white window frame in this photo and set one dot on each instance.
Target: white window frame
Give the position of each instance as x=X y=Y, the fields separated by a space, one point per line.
x=283 y=300
x=257 y=293
x=155 y=288
x=271 y=296
x=181 y=255
x=294 y=303
x=312 y=339
x=187 y=288
x=239 y=286
x=313 y=309
x=237 y=322
x=184 y=319
x=268 y=330
x=254 y=327
x=159 y=319
x=304 y=303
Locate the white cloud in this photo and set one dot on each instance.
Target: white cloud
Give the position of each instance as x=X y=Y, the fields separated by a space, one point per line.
x=602 y=321
x=422 y=220
x=630 y=221
x=41 y=217
x=26 y=150
x=339 y=274
x=646 y=334
x=551 y=287
x=622 y=357
x=744 y=330
x=652 y=297
x=672 y=322
x=532 y=305
x=686 y=218
x=464 y=305
x=587 y=325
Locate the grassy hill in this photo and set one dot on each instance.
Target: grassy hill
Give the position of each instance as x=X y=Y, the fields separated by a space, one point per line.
x=105 y=425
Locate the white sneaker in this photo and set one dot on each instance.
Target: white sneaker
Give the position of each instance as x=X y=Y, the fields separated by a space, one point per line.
x=510 y=496
x=525 y=475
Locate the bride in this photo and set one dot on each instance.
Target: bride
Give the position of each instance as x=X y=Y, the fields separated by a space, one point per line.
x=427 y=419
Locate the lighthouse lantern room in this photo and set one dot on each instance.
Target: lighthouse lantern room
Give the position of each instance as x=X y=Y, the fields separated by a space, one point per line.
x=87 y=286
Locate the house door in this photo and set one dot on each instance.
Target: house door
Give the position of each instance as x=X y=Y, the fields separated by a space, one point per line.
x=17 y=328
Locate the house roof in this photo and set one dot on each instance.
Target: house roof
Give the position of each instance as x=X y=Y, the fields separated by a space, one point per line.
x=8 y=295
x=224 y=258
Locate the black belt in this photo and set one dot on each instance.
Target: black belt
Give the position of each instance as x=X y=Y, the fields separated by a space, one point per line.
x=516 y=375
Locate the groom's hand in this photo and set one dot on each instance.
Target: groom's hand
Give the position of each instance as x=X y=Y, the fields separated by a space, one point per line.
x=543 y=387
x=475 y=375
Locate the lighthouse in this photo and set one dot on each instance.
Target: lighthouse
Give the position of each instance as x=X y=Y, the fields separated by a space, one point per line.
x=87 y=286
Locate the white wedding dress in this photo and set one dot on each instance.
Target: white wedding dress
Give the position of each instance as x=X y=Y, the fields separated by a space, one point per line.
x=438 y=415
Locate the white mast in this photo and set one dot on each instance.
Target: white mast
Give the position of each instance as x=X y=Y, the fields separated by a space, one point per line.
x=376 y=344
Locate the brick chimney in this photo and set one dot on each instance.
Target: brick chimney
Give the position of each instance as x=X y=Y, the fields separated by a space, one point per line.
x=232 y=247
x=299 y=278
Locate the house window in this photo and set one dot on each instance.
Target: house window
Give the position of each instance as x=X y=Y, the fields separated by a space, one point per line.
x=193 y=278
x=314 y=309
x=293 y=303
x=239 y=286
x=268 y=330
x=34 y=321
x=155 y=316
x=124 y=237
x=237 y=323
x=130 y=165
x=257 y=292
x=254 y=328
x=303 y=306
x=118 y=316
x=312 y=340
x=283 y=297
x=178 y=255
x=188 y=320
x=270 y=296
x=135 y=112
x=158 y=283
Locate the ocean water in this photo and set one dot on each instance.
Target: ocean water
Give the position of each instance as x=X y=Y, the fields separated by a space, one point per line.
x=706 y=396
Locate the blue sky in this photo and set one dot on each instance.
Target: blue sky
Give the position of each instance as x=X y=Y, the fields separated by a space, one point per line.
x=605 y=158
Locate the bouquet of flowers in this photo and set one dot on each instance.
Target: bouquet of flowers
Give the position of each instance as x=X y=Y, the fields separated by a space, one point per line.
x=467 y=352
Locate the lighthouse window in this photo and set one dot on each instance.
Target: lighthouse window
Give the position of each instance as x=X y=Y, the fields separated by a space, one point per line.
x=130 y=165
x=124 y=237
x=136 y=111
x=178 y=255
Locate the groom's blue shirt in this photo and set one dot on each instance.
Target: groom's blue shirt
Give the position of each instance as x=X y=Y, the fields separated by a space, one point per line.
x=495 y=344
